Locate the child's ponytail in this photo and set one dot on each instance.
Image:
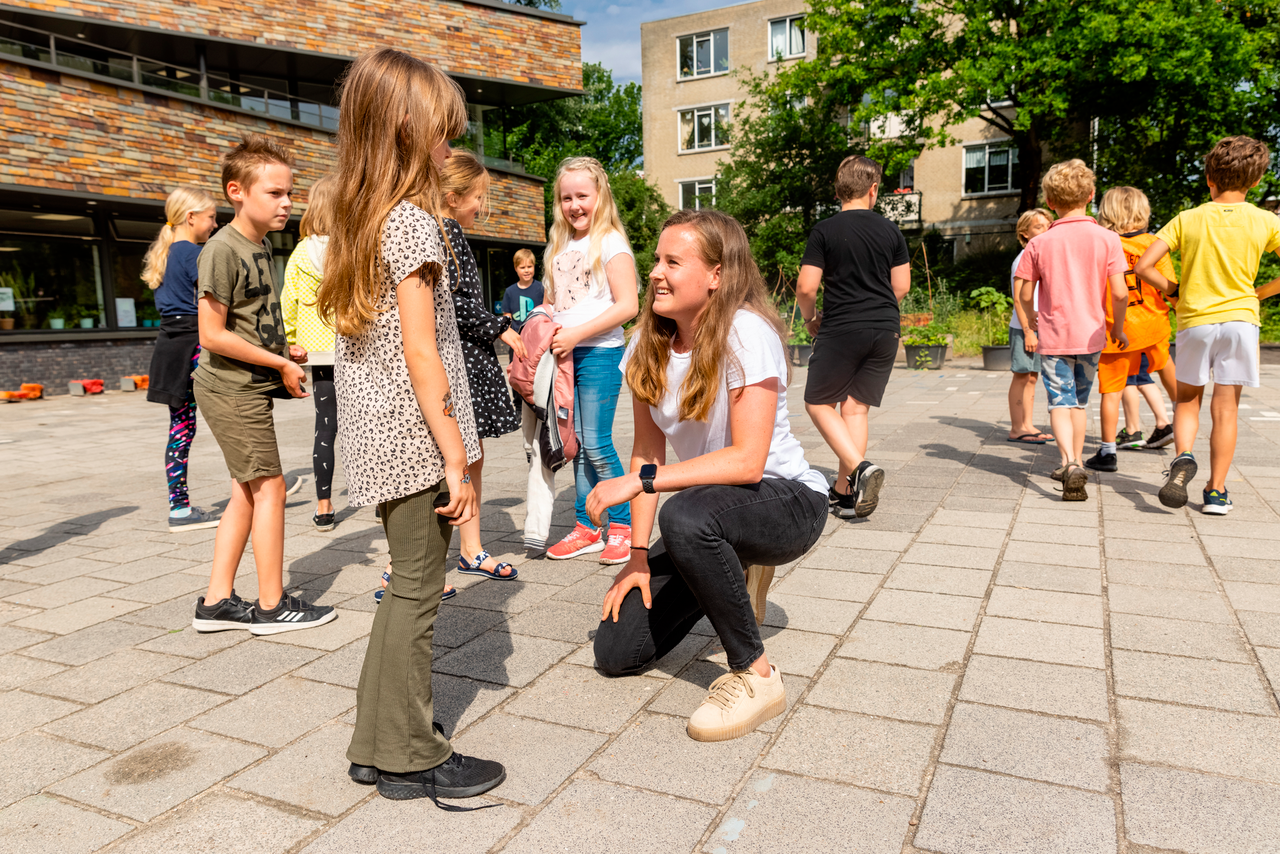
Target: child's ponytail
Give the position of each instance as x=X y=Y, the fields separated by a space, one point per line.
x=181 y=202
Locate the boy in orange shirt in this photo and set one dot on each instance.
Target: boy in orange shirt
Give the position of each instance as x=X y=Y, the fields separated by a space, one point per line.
x=1126 y=211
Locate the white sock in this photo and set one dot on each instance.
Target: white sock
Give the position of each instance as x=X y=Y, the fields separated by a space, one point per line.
x=1108 y=448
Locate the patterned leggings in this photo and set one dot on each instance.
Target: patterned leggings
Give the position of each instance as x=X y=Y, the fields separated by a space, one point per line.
x=182 y=430
x=326 y=400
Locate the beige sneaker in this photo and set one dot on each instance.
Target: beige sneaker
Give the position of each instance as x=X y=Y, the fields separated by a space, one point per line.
x=739 y=702
x=758 y=580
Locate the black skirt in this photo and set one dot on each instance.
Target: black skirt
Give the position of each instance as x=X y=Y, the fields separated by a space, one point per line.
x=171 y=367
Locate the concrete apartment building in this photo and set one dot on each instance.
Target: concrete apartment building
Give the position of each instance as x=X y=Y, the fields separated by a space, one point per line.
x=107 y=105
x=966 y=191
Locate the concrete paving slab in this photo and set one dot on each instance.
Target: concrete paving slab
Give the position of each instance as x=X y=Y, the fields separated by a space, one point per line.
x=459 y=702
x=418 y=825
x=1178 y=637
x=108 y=676
x=243 y=667
x=1052 y=554
x=1191 y=681
x=1216 y=742
x=1065 y=579
x=1247 y=596
x=1176 y=604
x=310 y=773
x=503 y=658
x=912 y=646
x=571 y=622
x=656 y=753
x=24 y=711
x=538 y=756
x=968 y=811
x=34 y=760
x=66 y=619
x=828 y=616
x=957 y=535
x=159 y=774
x=925 y=609
x=582 y=697
x=782 y=812
x=44 y=825
x=938 y=554
x=886 y=690
x=939 y=579
x=870 y=752
x=1062 y=535
x=1037 y=747
x=222 y=822
x=1050 y=642
x=828 y=584
x=18 y=670
x=1179 y=810
x=597 y=816
x=137 y=714
x=278 y=712
x=1036 y=687
x=1261 y=628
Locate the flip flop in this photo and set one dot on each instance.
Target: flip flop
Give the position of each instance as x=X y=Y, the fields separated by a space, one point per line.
x=1028 y=439
x=475 y=568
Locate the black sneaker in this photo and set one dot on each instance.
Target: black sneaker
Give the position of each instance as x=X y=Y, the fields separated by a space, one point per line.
x=1160 y=437
x=231 y=613
x=1129 y=441
x=870 y=480
x=365 y=775
x=844 y=504
x=457 y=777
x=324 y=521
x=1174 y=492
x=196 y=520
x=1102 y=462
x=289 y=615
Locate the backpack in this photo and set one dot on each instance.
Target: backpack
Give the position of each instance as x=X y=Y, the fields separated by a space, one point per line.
x=546 y=384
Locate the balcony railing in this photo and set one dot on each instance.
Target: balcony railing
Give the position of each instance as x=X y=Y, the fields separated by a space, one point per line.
x=902 y=208
x=87 y=58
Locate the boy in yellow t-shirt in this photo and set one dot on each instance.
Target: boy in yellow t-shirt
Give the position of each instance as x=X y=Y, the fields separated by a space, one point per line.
x=1126 y=211
x=1221 y=243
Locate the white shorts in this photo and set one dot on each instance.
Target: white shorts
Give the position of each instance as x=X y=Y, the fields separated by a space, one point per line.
x=1228 y=351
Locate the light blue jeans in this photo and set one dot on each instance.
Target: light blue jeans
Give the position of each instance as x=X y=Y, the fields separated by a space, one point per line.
x=596 y=385
x=1069 y=379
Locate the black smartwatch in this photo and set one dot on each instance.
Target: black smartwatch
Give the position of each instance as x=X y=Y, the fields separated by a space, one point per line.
x=647 y=474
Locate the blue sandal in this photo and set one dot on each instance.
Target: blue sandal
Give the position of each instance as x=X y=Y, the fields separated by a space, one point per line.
x=496 y=572
x=386 y=576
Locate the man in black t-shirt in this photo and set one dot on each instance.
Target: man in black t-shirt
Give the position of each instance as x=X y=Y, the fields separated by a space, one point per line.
x=861 y=259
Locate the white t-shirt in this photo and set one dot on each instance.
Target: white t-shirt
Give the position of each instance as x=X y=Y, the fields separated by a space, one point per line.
x=762 y=359
x=1014 y=323
x=581 y=300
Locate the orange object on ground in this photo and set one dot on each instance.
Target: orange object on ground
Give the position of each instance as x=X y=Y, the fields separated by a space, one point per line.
x=89 y=386
x=140 y=380
x=32 y=391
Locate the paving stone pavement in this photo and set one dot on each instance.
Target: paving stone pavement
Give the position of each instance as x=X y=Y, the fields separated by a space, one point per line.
x=977 y=667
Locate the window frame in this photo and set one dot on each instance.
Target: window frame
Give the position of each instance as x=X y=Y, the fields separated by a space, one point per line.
x=710 y=36
x=712 y=109
x=681 y=183
x=788 y=20
x=987 y=146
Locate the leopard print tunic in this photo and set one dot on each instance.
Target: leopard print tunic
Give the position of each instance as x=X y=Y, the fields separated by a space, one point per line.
x=387 y=449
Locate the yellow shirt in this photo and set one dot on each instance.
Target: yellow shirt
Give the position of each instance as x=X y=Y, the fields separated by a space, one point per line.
x=301 y=323
x=1221 y=246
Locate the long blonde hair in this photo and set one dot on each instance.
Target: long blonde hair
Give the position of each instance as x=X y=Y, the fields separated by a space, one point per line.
x=395 y=109
x=721 y=242
x=181 y=203
x=462 y=173
x=604 y=219
x=317 y=220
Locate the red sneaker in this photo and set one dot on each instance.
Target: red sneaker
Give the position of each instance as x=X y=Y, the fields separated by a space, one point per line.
x=618 y=547
x=581 y=540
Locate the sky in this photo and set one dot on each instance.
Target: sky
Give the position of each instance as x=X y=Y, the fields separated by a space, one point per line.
x=612 y=33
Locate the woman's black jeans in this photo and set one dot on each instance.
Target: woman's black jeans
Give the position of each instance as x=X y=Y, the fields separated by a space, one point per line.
x=709 y=535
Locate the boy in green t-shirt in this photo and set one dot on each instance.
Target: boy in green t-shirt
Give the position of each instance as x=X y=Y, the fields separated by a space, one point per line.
x=245 y=364
x=1221 y=243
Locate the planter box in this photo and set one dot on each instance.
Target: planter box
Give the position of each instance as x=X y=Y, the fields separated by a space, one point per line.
x=800 y=354
x=927 y=358
x=996 y=358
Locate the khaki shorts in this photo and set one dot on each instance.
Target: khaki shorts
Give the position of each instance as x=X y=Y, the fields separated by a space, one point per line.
x=245 y=431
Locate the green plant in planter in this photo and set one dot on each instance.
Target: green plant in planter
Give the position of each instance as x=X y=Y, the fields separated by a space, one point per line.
x=995 y=307
x=24 y=294
x=924 y=336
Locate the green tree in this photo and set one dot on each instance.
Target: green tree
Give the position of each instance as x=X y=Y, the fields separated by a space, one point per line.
x=786 y=146
x=550 y=5
x=1140 y=87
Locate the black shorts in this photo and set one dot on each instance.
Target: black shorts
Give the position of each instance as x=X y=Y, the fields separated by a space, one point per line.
x=853 y=364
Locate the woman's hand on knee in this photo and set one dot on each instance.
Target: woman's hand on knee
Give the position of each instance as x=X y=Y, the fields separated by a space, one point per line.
x=611 y=493
x=634 y=575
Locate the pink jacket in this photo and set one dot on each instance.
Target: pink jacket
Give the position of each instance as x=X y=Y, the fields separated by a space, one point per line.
x=546 y=383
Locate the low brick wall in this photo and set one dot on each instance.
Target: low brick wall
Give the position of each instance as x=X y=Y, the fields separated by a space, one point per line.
x=57 y=363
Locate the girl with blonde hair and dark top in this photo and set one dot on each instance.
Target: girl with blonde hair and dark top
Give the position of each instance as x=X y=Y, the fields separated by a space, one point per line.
x=708 y=375
x=405 y=423
x=169 y=269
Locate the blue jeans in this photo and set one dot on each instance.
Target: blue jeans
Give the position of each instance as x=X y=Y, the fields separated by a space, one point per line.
x=1068 y=379
x=596 y=385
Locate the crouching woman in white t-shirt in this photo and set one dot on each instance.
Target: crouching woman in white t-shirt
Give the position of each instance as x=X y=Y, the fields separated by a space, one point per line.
x=708 y=374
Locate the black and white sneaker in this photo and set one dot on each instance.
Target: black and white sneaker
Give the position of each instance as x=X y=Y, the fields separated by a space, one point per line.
x=843 y=504
x=1160 y=437
x=289 y=615
x=231 y=613
x=1174 y=492
x=866 y=489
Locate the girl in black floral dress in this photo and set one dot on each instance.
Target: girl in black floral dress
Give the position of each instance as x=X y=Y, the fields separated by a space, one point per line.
x=464 y=192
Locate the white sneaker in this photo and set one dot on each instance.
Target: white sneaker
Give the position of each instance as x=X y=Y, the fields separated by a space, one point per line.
x=738 y=702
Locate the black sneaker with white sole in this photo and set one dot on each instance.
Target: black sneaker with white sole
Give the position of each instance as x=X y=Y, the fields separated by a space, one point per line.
x=1174 y=492
x=1160 y=437
x=866 y=491
x=231 y=613
x=289 y=615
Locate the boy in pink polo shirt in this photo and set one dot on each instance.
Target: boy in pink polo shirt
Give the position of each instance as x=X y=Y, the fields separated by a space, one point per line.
x=1079 y=264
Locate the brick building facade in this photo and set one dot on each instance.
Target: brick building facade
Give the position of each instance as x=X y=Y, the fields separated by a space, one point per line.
x=107 y=106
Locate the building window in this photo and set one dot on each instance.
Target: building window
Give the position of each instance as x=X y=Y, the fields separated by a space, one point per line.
x=990 y=169
x=704 y=127
x=786 y=38
x=704 y=53
x=694 y=195
x=51 y=283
